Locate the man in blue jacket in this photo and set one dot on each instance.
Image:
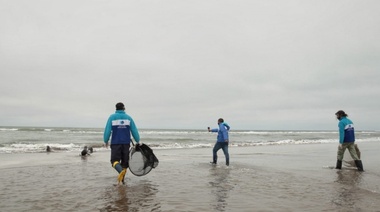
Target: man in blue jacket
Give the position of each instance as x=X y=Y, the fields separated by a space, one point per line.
x=346 y=140
x=221 y=141
x=121 y=126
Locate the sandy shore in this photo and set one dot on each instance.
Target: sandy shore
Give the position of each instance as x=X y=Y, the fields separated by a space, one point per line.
x=263 y=178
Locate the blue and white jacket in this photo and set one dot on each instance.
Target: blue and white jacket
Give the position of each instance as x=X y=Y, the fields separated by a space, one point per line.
x=222 y=132
x=346 y=131
x=120 y=125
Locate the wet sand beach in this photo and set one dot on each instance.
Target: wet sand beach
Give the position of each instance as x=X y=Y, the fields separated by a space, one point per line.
x=261 y=178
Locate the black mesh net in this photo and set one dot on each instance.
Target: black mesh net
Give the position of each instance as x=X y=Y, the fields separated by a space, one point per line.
x=142 y=160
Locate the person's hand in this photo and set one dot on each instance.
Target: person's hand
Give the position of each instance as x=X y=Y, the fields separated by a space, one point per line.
x=340 y=146
x=138 y=144
x=226 y=140
x=106 y=145
x=208 y=129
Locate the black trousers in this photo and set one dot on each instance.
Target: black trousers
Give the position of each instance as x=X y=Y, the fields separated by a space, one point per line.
x=120 y=153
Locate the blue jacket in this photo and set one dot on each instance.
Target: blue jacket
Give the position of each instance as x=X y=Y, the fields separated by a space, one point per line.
x=222 y=132
x=120 y=125
x=346 y=131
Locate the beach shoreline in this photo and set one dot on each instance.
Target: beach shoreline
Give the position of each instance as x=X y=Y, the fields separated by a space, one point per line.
x=261 y=178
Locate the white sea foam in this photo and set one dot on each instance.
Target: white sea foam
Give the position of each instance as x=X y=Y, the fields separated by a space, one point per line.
x=8 y=129
x=22 y=140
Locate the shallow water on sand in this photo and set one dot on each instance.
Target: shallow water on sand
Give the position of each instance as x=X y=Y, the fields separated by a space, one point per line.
x=279 y=178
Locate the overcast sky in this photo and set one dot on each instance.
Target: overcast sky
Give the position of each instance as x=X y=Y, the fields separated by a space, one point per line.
x=260 y=65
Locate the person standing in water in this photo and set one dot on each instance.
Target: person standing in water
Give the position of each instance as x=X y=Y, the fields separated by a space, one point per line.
x=346 y=140
x=121 y=126
x=221 y=141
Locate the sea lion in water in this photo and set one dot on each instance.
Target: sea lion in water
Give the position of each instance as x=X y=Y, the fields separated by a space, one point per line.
x=84 y=151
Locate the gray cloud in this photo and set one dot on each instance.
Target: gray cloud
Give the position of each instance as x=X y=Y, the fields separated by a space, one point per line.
x=176 y=64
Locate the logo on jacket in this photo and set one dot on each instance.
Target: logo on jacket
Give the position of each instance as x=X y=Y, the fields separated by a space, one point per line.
x=349 y=127
x=121 y=122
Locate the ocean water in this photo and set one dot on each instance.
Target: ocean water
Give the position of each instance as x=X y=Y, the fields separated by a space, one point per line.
x=269 y=171
x=36 y=139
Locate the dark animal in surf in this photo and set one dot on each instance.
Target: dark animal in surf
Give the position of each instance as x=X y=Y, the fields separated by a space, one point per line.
x=84 y=151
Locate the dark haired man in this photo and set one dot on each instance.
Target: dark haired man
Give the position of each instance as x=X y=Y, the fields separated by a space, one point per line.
x=221 y=141
x=346 y=140
x=121 y=126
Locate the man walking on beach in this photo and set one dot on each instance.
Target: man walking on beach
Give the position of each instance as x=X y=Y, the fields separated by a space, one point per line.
x=346 y=140
x=121 y=126
x=221 y=142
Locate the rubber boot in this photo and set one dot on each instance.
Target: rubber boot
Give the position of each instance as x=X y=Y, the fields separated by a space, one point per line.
x=338 y=164
x=116 y=165
x=214 y=159
x=122 y=171
x=359 y=165
x=120 y=178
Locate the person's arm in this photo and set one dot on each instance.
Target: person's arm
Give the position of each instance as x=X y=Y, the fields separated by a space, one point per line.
x=107 y=131
x=213 y=130
x=134 y=131
x=341 y=126
x=227 y=126
x=223 y=129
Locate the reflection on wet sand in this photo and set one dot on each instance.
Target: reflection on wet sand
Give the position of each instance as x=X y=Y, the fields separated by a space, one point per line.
x=138 y=197
x=221 y=186
x=347 y=189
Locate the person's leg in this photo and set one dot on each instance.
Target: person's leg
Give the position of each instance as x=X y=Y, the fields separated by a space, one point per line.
x=216 y=148
x=358 y=162
x=116 y=157
x=125 y=155
x=340 y=154
x=357 y=150
x=352 y=151
x=225 y=151
x=124 y=162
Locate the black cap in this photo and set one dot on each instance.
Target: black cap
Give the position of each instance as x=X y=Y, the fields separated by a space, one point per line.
x=120 y=106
